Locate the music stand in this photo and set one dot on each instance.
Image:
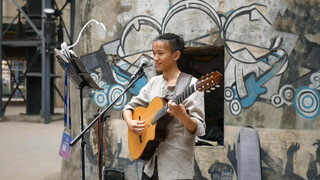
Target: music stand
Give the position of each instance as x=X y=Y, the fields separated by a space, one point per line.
x=81 y=78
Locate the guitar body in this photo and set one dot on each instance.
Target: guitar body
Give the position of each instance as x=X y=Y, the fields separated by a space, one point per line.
x=144 y=146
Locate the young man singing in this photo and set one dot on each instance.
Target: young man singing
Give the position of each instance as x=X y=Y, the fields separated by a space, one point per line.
x=174 y=157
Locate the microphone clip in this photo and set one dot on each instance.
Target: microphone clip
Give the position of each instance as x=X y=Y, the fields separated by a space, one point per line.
x=138 y=74
x=140 y=70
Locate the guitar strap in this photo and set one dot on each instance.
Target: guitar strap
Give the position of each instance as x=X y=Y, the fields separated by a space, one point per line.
x=183 y=82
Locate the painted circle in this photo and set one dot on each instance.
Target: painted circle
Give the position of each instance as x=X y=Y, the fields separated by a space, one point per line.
x=276 y=101
x=235 y=107
x=114 y=92
x=307 y=102
x=315 y=80
x=288 y=93
x=106 y=88
x=228 y=94
x=100 y=99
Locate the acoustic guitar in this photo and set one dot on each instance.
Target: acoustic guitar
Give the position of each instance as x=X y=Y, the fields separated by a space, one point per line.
x=156 y=118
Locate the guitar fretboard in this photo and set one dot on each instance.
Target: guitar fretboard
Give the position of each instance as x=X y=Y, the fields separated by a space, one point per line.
x=178 y=99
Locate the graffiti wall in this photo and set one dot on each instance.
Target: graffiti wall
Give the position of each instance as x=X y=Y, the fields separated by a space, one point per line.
x=271 y=77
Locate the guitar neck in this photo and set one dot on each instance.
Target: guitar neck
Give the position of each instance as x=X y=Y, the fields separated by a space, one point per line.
x=181 y=97
x=178 y=99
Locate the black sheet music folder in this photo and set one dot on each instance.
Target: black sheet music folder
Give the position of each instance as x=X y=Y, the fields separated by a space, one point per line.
x=78 y=73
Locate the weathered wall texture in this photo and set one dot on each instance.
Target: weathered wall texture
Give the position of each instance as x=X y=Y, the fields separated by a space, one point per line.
x=272 y=77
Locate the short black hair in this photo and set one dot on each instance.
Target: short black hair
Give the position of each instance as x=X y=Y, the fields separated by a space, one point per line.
x=176 y=42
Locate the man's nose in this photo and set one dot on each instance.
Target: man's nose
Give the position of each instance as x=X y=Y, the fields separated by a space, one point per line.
x=156 y=57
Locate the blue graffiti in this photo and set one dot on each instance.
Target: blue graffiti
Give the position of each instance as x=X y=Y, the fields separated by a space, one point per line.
x=114 y=92
x=137 y=86
x=306 y=102
x=255 y=87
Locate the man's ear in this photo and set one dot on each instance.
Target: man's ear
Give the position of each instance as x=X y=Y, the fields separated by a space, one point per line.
x=176 y=55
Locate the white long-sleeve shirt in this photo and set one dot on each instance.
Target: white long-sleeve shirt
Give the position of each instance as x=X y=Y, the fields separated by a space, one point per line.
x=175 y=155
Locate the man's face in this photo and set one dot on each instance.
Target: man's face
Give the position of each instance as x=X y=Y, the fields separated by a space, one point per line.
x=163 y=57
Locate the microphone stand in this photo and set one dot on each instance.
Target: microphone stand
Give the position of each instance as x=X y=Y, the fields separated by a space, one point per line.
x=102 y=114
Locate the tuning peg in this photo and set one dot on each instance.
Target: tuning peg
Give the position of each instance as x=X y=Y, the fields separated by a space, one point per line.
x=208 y=91
x=217 y=85
x=212 y=88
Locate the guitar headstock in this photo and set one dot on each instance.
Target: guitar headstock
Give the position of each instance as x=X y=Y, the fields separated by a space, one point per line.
x=209 y=81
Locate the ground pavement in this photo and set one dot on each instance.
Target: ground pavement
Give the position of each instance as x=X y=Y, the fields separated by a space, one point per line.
x=29 y=148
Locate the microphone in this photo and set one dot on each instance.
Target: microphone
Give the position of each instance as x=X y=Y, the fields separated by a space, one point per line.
x=142 y=65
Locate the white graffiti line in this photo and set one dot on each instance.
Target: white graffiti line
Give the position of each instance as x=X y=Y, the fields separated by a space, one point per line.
x=97 y=79
x=136 y=23
x=243 y=10
x=192 y=4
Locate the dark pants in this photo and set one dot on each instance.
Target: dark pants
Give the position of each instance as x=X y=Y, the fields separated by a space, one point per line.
x=155 y=173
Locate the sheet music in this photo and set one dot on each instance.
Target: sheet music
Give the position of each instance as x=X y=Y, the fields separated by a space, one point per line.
x=78 y=73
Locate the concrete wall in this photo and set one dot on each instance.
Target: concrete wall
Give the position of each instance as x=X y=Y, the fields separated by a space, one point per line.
x=271 y=78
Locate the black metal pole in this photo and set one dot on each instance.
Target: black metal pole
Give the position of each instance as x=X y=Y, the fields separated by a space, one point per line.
x=1 y=85
x=72 y=19
x=83 y=143
x=47 y=21
x=100 y=144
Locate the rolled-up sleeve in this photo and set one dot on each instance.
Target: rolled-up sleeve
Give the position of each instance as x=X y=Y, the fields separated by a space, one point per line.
x=195 y=106
x=140 y=100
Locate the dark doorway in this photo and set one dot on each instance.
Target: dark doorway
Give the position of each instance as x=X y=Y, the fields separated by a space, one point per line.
x=200 y=61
